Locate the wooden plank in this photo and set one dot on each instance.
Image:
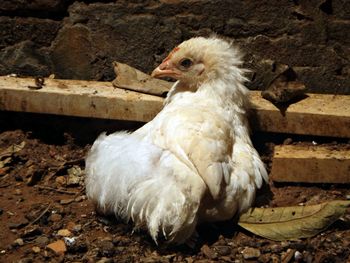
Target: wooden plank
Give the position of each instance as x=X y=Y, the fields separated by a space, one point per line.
x=77 y=98
x=311 y=164
x=318 y=114
x=324 y=115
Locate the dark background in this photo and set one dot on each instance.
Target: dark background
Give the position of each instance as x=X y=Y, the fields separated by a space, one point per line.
x=80 y=39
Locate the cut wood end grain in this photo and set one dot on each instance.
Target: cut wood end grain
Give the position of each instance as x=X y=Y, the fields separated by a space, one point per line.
x=311 y=164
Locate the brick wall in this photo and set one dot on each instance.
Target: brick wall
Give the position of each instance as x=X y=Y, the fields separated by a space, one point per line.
x=80 y=39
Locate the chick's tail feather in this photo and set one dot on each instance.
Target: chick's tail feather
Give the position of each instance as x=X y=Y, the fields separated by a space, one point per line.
x=139 y=181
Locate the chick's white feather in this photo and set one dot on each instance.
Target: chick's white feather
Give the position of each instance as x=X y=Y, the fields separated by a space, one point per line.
x=194 y=161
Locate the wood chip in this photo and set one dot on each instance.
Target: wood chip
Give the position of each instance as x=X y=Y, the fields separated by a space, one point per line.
x=133 y=79
x=58 y=247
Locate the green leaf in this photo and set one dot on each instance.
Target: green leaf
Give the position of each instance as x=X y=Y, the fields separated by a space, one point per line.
x=294 y=222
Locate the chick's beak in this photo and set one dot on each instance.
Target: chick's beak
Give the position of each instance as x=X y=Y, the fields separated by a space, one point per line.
x=165 y=69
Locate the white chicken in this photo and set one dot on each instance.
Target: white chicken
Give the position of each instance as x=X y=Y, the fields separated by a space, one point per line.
x=194 y=162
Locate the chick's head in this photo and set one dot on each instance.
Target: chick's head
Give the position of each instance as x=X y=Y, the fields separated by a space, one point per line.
x=200 y=59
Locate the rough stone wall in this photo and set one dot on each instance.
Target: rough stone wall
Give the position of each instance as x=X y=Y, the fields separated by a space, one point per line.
x=80 y=39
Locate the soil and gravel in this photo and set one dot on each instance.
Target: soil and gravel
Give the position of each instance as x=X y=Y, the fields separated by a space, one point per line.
x=46 y=217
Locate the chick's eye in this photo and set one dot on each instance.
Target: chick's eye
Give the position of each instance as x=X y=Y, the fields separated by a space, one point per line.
x=186 y=63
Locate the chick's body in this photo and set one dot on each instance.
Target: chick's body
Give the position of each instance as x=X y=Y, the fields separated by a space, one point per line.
x=194 y=161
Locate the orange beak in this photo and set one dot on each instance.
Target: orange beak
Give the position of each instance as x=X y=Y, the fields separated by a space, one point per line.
x=165 y=69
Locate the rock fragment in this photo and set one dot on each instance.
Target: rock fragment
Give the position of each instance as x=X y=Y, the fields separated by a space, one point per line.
x=251 y=253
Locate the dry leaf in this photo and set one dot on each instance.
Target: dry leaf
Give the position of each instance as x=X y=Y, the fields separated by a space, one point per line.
x=133 y=79
x=75 y=176
x=4 y=162
x=12 y=149
x=285 y=223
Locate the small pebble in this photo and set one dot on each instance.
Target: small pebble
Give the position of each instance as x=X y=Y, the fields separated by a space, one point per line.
x=36 y=249
x=208 y=252
x=41 y=241
x=70 y=226
x=64 y=233
x=55 y=217
x=77 y=228
x=19 y=242
x=298 y=255
x=250 y=253
x=223 y=250
x=69 y=240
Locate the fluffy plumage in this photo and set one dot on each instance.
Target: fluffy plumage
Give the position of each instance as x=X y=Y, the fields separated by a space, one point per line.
x=194 y=161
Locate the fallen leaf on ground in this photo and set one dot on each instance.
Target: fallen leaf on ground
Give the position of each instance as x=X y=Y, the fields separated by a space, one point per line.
x=12 y=149
x=5 y=162
x=294 y=222
x=75 y=175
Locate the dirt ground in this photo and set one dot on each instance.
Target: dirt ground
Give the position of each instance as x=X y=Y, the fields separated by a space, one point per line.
x=44 y=209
